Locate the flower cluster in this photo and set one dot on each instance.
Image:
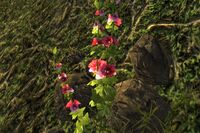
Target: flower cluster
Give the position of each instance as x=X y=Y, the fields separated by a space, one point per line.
x=99 y=13
x=113 y=20
x=73 y=105
x=101 y=69
x=102 y=36
x=106 y=41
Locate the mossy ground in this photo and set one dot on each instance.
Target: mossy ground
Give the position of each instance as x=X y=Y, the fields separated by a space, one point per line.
x=31 y=29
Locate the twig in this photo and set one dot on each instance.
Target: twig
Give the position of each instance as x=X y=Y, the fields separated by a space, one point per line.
x=171 y=25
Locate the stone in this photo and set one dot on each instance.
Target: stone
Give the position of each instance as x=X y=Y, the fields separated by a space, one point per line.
x=151 y=60
x=137 y=106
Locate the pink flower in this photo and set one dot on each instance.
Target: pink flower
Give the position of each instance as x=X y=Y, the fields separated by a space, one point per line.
x=73 y=105
x=66 y=89
x=109 y=40
x=62 y=77
x=101 y=69
x=95 y=41
x=99 y=13
x=114 y=18
x=58 y=66
x=94 y=65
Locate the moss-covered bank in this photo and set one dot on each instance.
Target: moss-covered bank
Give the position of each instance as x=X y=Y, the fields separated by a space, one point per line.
x=31 y=29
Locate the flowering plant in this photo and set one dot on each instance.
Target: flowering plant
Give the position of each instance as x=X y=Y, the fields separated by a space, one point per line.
x=82 y=119
x=104 y=47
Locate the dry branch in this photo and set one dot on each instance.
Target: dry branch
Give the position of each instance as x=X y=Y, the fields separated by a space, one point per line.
x=171 y=25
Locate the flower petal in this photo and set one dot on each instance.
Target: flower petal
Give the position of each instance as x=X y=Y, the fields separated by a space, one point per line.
x=76 y=102
x=69 y=104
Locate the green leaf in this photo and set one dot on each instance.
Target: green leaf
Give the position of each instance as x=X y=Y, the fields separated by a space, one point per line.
x=79 y=127
x=115 y=27
x=112 y=51
x=78 y=113
x=109 y=81
x=92 y=52
x=99 y=90
x=92 y=103
x=110 y=93
x=93 y=83
x=96 y=98
x=104 y=109
x=109 y=25
x=55 y=50
x=85 y=120
x=98 y=4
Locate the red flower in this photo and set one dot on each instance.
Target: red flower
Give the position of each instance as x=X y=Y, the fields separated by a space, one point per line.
x=109 y=40
x=95 y=41
x=62 y=77
x=58 y=66
x=73 y=105
x=99 y=13
x=94 y=65
x=66 y=89
x=118 y=22
x=107 y=70
x=114 y=18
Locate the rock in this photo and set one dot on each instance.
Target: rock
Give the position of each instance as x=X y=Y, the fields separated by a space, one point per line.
x=152 y=60
x=137 y=107
x=79 y=82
